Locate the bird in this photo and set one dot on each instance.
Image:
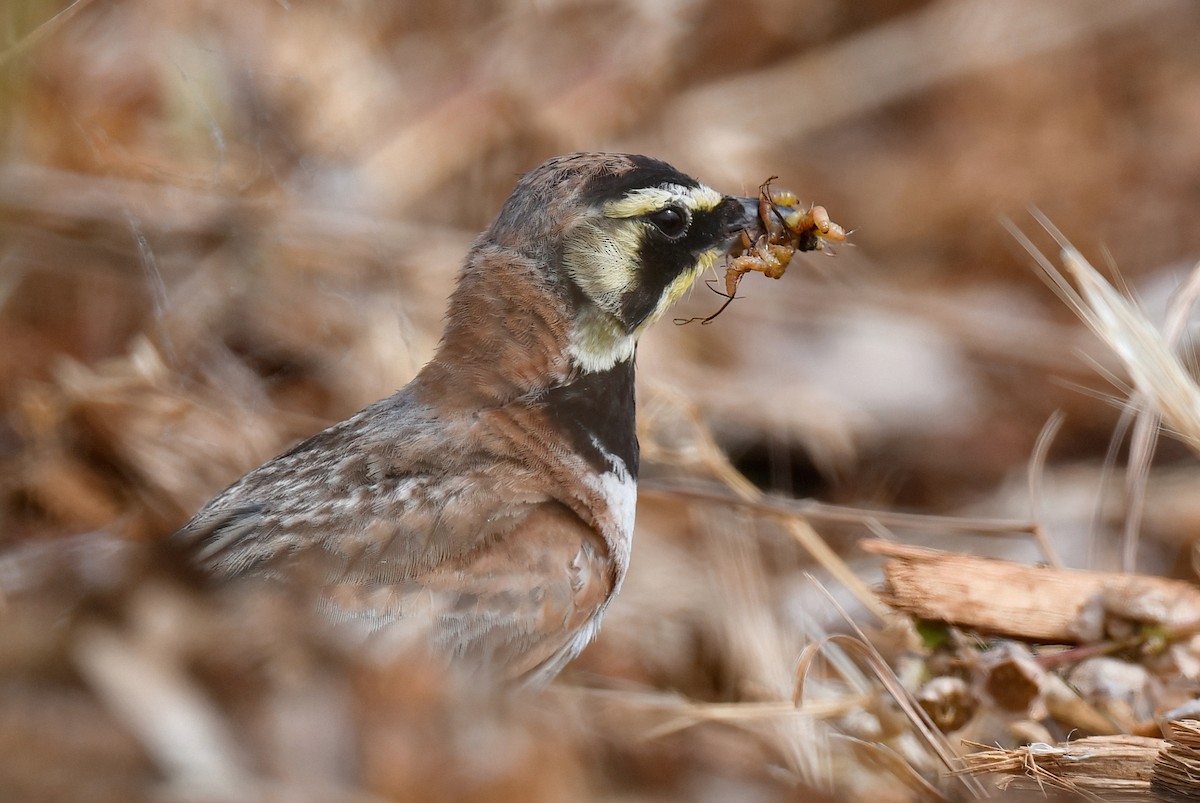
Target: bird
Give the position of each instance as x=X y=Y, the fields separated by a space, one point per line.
x=492 y=498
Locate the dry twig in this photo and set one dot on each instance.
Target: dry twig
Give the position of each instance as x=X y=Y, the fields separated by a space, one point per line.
x=1012 y=599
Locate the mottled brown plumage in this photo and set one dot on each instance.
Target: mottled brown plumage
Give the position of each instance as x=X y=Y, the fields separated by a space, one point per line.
x=489 y=503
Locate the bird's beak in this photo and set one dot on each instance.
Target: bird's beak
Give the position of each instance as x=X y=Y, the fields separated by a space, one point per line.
x=749 y=210
x=745 y=220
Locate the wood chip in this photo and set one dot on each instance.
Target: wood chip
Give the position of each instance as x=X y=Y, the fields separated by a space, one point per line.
x=1177 y=770
x=1033 y=603
x=1111 y=768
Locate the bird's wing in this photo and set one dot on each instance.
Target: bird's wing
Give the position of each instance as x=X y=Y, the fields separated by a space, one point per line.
x=468 y=550
x=380 y=497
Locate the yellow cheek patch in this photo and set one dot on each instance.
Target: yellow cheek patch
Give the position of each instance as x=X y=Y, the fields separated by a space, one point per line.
x=601 y=263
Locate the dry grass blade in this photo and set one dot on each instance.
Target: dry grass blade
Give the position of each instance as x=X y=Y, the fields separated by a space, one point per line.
x=1155 y=369
x=684 y=713
x=843 y=514
x=1146 y=426
x=859 y=647
x=1037 y=464
x=703 y=452
x=866 y=656
x=1163 y=387
x=1141 y=455
x=896 y=765
x=746 y=713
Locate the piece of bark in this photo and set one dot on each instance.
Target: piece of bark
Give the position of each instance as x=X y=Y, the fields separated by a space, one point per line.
x=1177 y=770
x=1033 y=603
x=1111 y=768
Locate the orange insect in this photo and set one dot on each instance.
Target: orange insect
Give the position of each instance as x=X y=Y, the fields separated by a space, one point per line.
x=785 y=230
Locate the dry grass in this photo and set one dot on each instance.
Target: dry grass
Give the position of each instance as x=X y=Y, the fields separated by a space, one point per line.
x=223 y=225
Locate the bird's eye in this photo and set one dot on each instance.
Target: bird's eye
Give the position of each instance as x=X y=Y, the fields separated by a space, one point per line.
x=671 y=221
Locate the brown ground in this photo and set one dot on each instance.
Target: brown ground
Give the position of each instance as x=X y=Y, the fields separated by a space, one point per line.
x=226 y=224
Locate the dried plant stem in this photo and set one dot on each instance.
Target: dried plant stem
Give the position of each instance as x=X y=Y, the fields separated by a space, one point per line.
x=709 y=456
x=1163 y=389
x=842 y=514
x=1037 y=463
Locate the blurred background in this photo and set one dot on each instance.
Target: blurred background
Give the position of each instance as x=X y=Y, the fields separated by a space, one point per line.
x=225 y=225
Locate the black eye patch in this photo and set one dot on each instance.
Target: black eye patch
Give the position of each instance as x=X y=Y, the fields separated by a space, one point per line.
x=672 y=221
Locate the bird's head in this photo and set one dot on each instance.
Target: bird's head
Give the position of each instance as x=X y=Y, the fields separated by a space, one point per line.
x=625 y=236
x=588 y=251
